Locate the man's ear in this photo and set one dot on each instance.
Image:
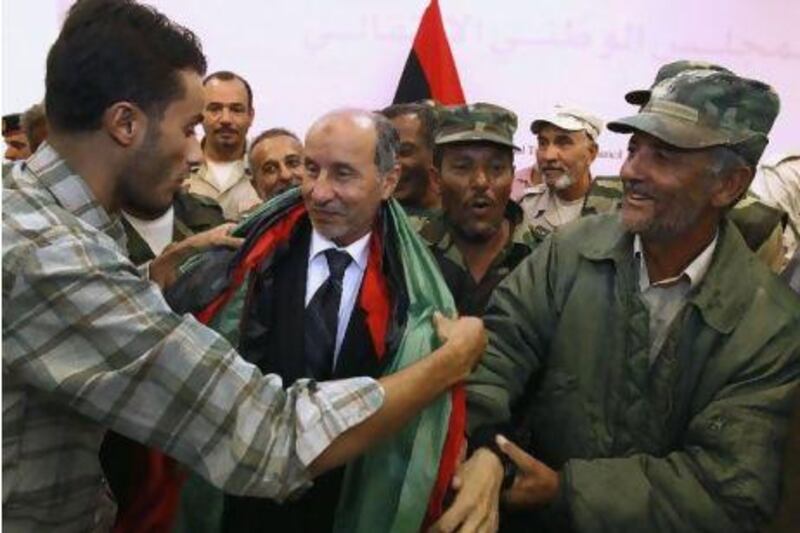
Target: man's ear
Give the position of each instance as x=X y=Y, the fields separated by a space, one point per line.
x=125 y=123
x=729 y=189
x=593 y=151
x=389 y=182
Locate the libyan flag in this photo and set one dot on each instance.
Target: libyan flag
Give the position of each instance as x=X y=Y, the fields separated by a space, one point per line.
x=430 y=72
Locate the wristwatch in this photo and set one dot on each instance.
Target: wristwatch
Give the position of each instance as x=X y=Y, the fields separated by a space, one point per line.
x=485 y=437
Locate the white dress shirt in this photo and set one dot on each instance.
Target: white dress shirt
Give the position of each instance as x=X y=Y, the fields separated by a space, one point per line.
x=351 y=284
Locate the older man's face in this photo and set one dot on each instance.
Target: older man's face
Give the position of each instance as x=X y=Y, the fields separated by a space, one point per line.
x=563 y=157
x=277 y=165
x=667 y=189
x=342 y=187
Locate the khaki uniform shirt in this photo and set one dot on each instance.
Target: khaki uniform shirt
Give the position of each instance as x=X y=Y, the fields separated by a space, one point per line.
x=545 y=211
x=236 y=200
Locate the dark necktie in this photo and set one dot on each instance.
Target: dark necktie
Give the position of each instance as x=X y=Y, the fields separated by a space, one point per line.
x=322 y=318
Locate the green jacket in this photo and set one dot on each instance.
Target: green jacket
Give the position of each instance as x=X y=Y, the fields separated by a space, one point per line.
x=690 y=444
x=760 y=224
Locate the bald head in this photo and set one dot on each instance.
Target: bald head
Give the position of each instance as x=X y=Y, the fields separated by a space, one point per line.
x=384 y=137
x=350 y=170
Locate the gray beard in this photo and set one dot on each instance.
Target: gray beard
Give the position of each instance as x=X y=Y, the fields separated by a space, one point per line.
x=565 y=181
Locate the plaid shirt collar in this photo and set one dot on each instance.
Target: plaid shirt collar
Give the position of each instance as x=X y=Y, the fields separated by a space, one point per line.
x=73 y=194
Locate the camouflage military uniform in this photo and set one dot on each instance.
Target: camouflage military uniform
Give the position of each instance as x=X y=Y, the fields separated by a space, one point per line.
x=778 y=182
x=476 y=123
x=419 y=217
x=193 y=214
x=545 y=211
x=760 y=224
x=472 y=296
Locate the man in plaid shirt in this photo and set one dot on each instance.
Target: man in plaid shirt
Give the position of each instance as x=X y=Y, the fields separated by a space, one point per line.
x=89 y=344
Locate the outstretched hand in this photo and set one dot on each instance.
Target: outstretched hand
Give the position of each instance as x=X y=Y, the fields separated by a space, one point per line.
x=536 y=484
x=164 y=268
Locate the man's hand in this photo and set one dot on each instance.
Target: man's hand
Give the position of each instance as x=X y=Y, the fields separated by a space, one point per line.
x=466 y=340
x=475 y=508
x=164 y=268
x=535 y=485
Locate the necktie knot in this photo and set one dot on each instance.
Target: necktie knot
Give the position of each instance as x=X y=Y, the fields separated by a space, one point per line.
x=337 y=263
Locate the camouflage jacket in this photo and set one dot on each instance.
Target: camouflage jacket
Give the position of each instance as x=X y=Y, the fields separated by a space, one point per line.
x=193 y=214
x=471 y=296
x=760 y=224
x=688 y=443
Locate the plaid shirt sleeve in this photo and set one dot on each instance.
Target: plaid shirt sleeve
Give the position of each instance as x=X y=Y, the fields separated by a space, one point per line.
x=86 y=329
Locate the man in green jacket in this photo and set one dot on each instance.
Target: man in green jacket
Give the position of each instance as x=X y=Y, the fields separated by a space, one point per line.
x=645 y=360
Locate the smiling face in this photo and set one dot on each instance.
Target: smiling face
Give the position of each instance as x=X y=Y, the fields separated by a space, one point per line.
x=277 y=164
x=563 y=157
x=667 y=189
x=157 y=168
x=475 y=183
x=342 y=187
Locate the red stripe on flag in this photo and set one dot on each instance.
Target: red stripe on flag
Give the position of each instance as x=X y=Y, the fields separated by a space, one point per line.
x=433 y=53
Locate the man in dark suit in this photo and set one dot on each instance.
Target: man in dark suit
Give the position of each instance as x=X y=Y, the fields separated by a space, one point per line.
x=324 y=286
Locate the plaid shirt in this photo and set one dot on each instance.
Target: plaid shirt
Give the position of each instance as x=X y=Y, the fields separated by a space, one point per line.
x=88 y=344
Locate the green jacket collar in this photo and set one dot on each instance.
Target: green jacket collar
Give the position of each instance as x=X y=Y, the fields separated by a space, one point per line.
x=722 y=297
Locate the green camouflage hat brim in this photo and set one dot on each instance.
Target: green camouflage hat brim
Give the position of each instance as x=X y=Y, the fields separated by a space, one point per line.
x=676 y=132
x=475 y=136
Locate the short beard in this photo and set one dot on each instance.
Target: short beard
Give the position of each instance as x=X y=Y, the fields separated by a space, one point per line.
x=665 y=228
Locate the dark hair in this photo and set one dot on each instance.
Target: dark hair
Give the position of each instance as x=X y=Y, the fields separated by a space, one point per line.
x=12 y=123
x=424 y=112
x=227 y=75
x=116 y=50
x=271 y=134
x=386 y=144
x=34 y=124
x=439 y=150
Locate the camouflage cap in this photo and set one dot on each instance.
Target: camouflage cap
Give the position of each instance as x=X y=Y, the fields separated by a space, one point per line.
x=641 y=96
x=571 y=119
x=476 y=122
x=704 y=108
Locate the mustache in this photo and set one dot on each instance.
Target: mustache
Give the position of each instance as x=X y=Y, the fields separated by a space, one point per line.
x=479 y=199
x=326 y=209
x=226 y=129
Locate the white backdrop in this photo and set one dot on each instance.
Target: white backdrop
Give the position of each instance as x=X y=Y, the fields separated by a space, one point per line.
x=304 y=57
